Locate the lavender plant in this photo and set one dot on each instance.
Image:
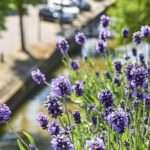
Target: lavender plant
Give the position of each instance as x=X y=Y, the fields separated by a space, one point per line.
x=115 y=104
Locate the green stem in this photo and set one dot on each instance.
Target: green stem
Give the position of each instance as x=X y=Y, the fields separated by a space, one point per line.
x=18 y=136
x=67 y=114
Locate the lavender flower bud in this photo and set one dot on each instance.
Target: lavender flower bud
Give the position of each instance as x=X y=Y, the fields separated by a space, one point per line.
x=43 y=120
x=5 y=113
x=76 y=116
x=104 y=20
x=61 y=86
x=125 y=33
x=78 y=88
x=54 y=128
x=80 y=38
x=105 y=98
x=74 y=65
x=118 y=67
x=145 y=31
x=137 y=38
x=62 y=45
x=134 y=51
x=118 y=120
x=38 y=76
x=101 y=47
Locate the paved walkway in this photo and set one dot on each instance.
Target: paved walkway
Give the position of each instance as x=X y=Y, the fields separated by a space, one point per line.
x=17 y=66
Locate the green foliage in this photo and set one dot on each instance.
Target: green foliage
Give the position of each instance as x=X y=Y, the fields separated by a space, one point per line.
x=7 y=6
x=130 y=13
x=21 y=147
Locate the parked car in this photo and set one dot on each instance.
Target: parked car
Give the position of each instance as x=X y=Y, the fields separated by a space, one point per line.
x=83 y=5
x=60 y=10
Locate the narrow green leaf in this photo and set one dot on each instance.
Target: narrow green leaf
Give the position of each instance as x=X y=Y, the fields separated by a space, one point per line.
x=21 y=147
x=29 y=137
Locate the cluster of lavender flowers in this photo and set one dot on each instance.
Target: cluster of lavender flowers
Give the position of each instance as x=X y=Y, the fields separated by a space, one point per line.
x=121 y=113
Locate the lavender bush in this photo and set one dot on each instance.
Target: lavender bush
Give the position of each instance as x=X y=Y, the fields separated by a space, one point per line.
x=115 y=104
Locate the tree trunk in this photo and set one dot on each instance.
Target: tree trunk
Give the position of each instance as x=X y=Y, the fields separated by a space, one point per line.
x=21 y=25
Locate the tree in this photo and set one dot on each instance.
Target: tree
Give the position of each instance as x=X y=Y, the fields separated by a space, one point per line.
x=20 y=6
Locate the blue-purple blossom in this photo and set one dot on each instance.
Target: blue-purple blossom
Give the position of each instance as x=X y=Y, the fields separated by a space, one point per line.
x=61 y=86
x=142 y=58
x=104 y=21
x=105 y=97
x=74 y=64
x=77 y=117
x=94 y=120
x=95 y=144
x=101 y=46
x=125 y=33
x=5 y=113
x=137 y=38
x=80 y=38
x=127 y=57
x=104 y=35
x=117 y=81
x=106 y=111
x=43 y=120
x=138 y=76
x=38 y=76
x=118 y=67
x=61 y=143
x=145 y=31
x=78 y=88
x=135 y=104
x=147 y=101
x=134 y=51
x=53 y=106
x=63 y=45
x=54 y=128
x=107 y=75
x=118 y=120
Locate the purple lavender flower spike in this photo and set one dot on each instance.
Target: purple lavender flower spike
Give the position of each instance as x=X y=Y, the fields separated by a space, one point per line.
x=80 y=38
x=95 y=144
x=137 y=38
x=142 y=58
x=147 y=101
x=54 y=128
x=118 y=67
x=77 y=117
x=38 y=76
x=43 y=120
x=104 y=20
x=125 y=33
x=134 y=51
x=74 y=65
x=118 y=120
x=104 y=35
x=94 y=120
x=135 y=104
x=63 y=45
x=53 y=106
x=61 y=143
x=101 y=47
x=105 y=98
x=117 y=81
x=5 y=113
x=78 y=88
x=106 y=111
x=145 y=31
x=61 y=86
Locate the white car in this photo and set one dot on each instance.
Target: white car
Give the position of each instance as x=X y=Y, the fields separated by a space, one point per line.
x=63 y=9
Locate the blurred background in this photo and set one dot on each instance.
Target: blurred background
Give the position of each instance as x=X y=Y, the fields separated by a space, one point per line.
x=28 y=33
